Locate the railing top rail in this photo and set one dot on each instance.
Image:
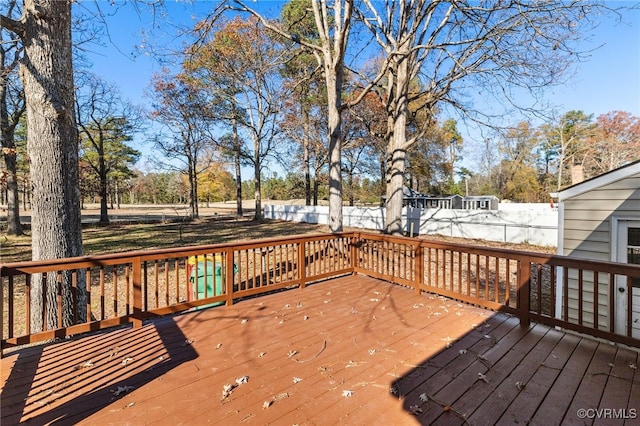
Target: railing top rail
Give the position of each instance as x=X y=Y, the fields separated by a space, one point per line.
x=155 y=254
x=34 y=266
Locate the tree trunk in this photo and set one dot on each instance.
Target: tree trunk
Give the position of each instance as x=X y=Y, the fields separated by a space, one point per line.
x=258 y=182
x=238 y=167
x=52 y=143
x=334 y=90
x=397 y=149
x=104 y=194
x=193 y=186
x=117 y=194
x=14 y=227
x=351 y=189
x=305 y=159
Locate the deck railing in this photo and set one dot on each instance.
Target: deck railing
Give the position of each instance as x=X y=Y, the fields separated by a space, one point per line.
x=132 y=287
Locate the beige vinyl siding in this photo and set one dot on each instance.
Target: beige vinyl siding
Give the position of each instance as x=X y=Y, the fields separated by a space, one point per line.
x=587 y=234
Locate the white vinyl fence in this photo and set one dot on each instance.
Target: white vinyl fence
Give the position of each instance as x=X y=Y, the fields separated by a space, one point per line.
x=533 y=226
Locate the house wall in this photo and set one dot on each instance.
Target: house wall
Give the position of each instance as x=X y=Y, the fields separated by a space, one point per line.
x=587 y=217
x=587 y=232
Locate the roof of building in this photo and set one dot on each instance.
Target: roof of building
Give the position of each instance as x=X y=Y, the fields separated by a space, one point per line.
x=599 y=181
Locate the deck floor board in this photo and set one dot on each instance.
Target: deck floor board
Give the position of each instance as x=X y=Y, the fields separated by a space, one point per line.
x=406 y=359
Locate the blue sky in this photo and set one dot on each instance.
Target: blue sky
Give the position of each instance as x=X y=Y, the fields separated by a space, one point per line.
x=608 y=80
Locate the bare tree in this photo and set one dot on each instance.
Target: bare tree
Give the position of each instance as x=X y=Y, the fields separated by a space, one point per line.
x=239 y=69
x=12 y=108
x=106 y=123
x=333 y=24
x=47 y=76
x=184 y=113
x=458 y=48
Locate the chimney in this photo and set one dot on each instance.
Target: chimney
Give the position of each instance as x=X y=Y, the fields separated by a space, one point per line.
x=577 y=174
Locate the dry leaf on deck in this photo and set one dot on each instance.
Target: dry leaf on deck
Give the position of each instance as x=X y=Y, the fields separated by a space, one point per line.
x=121 y=390
x=415 y=409
x=483 y=378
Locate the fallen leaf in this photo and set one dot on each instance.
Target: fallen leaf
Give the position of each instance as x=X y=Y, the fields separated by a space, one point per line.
x=281 y=396
x=297 y=380
x=242 y=380
x=462 y=351
x=520 y=385
x=121 y=390
x=85 y=365
x=347 y=393
x=372 y=351
x=393 y=390
x=226 y=391
x=219 y=345
x=424 y=397
x=187 y=342
x=291 y=353
x=126 y=361
x=633 y=366
x=261 y=354
x=483 y=378
x=415 y=409
x=244 y=321
x=266 y=404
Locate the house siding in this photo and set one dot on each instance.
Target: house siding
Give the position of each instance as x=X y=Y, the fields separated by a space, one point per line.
x=587 y=234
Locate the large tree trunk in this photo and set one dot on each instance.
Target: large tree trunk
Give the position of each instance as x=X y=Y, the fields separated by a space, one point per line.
x=334 y=90
x=47 y=76
x=258 y=181
x=397 y=149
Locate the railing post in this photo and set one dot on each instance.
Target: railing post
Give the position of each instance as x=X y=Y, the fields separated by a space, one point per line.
x=355 y=263
x=137 y=292
x=419 y=268
x=228 y=275
x=302 y=267
x=524 y=291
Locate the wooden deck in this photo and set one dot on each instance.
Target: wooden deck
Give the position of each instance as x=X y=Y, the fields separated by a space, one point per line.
x=350 y=350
